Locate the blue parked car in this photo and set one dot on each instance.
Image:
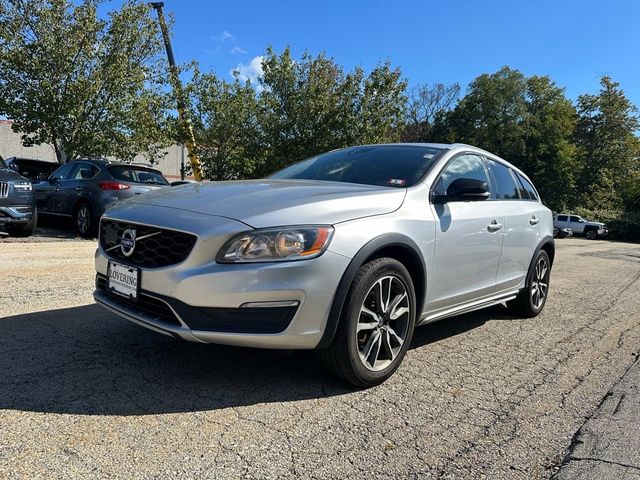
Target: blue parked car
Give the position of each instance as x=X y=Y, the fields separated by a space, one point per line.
x=84 y=189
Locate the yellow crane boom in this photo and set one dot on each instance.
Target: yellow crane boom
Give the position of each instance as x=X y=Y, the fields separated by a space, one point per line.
x=190 y=141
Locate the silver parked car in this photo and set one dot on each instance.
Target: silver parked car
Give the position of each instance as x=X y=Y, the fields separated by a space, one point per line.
x=345 y=252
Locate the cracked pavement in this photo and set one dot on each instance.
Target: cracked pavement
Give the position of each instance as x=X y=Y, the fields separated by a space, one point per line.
x=86 y=394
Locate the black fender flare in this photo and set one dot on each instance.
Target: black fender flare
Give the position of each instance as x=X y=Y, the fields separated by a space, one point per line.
x=369 y=249
x=548 y=240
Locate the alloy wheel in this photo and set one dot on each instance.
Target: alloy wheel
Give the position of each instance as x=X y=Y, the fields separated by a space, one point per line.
x=383 y=323
x=82 y=219
x=539 y=283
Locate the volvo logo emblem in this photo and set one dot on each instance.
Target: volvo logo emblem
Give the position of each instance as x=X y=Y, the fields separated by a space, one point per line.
x=128 y=242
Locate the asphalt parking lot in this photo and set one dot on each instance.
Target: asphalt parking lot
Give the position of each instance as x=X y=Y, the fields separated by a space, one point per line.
x=86 y=394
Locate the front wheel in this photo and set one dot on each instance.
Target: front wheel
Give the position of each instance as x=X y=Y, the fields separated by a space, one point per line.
x=532 y=299
x=376 y=324
x=591 y=234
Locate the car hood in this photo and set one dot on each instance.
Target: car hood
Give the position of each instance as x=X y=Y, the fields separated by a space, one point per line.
x=597 y=224
x=266 y=203
x=7 y=175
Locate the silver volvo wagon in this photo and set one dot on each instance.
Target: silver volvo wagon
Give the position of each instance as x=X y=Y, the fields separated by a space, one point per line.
x=346 y=253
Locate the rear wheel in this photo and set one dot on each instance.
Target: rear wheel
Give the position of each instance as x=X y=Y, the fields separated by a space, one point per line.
x=23 y=229
x=84 y=220
x=531 y=299
x=376 y=326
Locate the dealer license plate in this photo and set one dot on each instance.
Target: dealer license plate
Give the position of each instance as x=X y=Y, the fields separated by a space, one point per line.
x=123 y=280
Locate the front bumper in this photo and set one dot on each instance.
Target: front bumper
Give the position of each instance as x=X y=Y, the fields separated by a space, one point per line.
x=16 y=214
x=282 y=305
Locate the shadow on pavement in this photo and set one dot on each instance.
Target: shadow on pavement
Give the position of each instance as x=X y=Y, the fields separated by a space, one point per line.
x=86 y=361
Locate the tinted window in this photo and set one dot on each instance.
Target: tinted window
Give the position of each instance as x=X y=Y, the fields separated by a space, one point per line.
x=464 y=166
x=563 y=218
x=528 y=187
x=137 y=175
x=574 y=219
x=63 y=171
x=85 y=171
x=2 y=164
x=505 y=185
x=385 y=165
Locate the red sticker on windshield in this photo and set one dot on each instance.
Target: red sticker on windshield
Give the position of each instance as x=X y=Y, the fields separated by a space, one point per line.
x=397 y=181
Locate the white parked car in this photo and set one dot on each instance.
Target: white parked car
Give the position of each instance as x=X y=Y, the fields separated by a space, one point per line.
x=580 y=226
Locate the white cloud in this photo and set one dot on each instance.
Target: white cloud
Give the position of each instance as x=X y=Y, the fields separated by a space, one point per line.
x=237 y=51
x=224 y=36
x=251 y=71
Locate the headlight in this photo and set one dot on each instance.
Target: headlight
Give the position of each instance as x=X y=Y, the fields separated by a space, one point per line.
x=276 y=245
x=23 y=186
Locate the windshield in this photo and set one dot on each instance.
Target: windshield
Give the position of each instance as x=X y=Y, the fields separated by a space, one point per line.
x=2 y=164
x=137 y=175
x=384 y=165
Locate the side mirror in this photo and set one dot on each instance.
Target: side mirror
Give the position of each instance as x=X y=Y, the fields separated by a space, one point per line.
x=464 y=190
x=53 y=180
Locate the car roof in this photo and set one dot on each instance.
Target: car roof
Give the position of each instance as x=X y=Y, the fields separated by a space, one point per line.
x=13 y=159
x=114 y=163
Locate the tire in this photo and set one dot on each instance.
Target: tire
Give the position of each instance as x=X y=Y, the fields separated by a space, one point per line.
x=84 y=220
x=24 y=229
x=532 y=299
x=366 y=324
x=591 y=234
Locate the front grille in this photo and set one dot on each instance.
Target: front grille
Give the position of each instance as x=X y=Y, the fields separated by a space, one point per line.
x=4 y=189
x=161 y=248
x=146 y=303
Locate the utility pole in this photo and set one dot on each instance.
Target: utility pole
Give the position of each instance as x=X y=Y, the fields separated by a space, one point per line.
x=187 y=132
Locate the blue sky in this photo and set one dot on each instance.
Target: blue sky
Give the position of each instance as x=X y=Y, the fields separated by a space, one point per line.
x=574 y=42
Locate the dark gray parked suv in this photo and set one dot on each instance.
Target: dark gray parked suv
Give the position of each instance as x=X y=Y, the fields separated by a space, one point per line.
x=85 y=189
x=17 y=205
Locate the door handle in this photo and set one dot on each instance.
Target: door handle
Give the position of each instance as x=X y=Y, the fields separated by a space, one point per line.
x=494 y=226
x=534 y=221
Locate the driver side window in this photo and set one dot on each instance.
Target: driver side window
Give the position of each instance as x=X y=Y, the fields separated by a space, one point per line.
x=464 y=166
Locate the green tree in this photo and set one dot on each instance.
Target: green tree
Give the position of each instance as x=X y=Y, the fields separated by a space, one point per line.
x=225 y=126
x=311 y=106
x=609 y=148
x=492 y=114
x=550 y=156
x=527 y=121
x=86 y=85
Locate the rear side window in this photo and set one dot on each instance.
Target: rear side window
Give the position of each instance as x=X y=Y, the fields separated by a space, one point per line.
x=563 y=218
x=85 y=171
x=526 y=184
x=505 y=188
x=137 y=175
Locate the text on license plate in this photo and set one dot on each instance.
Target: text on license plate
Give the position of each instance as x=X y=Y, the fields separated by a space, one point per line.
x=123 y=279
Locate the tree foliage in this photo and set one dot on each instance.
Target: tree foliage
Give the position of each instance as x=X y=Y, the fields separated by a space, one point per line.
x=298 y=108
x=527 y=121
x=312 y=105
x=427 y=106
x=86 y=85
x=609 y=149
x=225 y=125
